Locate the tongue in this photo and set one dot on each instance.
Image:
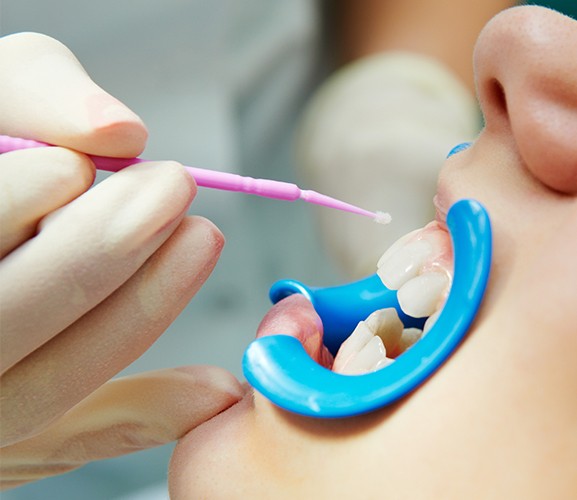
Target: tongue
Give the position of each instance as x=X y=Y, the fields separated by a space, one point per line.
x=296 y=317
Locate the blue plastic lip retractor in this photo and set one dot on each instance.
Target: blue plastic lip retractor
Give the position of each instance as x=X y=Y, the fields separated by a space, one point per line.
x=278 y=366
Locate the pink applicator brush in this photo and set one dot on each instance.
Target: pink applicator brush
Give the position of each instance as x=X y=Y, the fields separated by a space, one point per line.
x=218 y=180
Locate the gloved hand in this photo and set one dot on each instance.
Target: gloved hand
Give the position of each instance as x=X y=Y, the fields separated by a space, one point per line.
x=90 y=278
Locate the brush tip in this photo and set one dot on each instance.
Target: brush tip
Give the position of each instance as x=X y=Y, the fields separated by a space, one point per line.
x=382 y=217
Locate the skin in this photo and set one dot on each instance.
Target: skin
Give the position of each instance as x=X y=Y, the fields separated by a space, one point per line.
x=499 y=419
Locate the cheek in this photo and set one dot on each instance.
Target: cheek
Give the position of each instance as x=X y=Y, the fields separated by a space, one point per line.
x=544 y=124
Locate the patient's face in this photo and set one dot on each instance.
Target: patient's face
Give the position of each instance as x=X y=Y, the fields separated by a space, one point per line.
x=500 y=417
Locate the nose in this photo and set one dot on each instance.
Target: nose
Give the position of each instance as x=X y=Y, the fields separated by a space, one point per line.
x=526 y=75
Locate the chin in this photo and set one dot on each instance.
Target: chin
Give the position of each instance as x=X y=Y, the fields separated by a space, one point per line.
x=207 y=462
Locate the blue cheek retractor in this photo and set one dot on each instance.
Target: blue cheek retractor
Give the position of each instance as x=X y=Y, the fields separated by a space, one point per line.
x=278 y=366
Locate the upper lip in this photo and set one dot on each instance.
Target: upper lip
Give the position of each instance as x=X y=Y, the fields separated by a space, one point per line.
x=441 y=211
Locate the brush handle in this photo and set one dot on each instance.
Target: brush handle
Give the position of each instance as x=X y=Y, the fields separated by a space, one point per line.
x=234 y=182
x=217 y=180
x=203 y=177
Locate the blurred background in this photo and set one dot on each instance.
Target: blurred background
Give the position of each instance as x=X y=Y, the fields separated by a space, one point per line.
x=220 y=84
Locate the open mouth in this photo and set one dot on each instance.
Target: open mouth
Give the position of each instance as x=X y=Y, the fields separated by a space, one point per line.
x=420 y=267
x=439 y=273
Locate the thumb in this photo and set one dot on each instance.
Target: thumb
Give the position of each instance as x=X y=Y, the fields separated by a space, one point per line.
x=47 y=96
x=125 y=415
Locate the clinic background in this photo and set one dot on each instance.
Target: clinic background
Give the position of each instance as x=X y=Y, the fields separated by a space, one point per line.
x=220 y=84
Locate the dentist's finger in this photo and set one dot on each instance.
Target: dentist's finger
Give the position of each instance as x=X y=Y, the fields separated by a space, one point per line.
x=85 y=251
x=33 y=183
x=123 y=416
x=47 y=96
x=112 y=335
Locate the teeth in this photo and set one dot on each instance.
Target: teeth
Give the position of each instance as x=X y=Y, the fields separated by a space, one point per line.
x=352 y=346
x=364 y=351
x=417 y=252
x=419 y=266
x=431 y=320
x=362 y=355
x=404 y=265
x=368 y=359
x=410 y=336
x=376 y=342
x=403 y=240
x=397 y=267
x=386 y=324
x=423 y=295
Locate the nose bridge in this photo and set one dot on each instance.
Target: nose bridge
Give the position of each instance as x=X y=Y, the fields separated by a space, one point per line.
x=535 y=49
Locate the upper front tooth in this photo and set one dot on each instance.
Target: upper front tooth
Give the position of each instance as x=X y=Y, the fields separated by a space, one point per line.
x=423 y=295
x=403 y=240
x=398 y=265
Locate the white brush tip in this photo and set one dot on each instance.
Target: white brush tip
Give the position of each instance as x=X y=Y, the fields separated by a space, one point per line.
x=382 y=217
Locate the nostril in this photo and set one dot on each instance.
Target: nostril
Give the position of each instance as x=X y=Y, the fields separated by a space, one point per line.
x=497 y=96
x=494 y=103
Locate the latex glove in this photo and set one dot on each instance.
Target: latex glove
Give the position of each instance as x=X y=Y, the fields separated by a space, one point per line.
x=89 y=279
x=375 y=134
